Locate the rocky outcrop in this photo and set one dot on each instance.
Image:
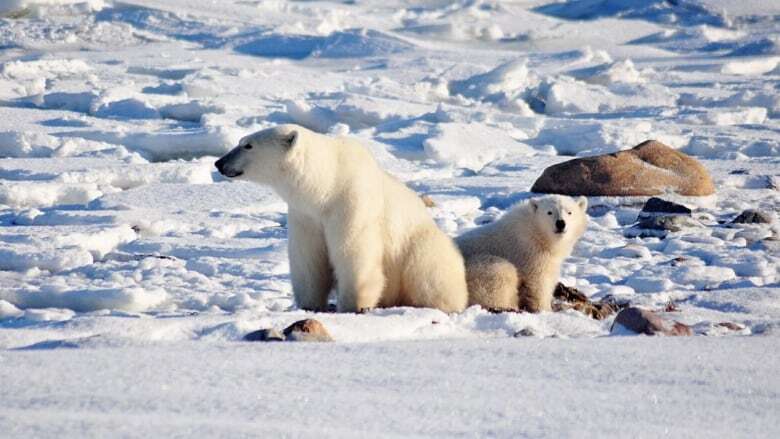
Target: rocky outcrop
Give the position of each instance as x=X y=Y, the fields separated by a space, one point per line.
x=650 y=168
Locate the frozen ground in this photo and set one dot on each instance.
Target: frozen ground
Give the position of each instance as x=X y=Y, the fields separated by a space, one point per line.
x=129 y=270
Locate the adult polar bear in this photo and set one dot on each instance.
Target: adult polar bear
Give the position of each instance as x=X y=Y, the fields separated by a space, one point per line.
x=349 y=218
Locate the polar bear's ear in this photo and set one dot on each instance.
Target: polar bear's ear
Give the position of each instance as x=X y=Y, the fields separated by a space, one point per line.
x=582 y=202
x=291 y=139
x=534 y=204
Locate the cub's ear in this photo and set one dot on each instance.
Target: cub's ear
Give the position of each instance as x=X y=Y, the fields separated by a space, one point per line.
x=291 y=139
x=582 y=202
x=534 y=204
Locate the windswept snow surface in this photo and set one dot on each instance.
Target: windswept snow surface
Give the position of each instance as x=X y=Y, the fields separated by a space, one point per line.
x=130 y=270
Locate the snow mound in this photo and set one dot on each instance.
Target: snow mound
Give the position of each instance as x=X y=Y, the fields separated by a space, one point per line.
x=28 y=144
x=8 y=310
x=47 y=68
x=170 y=144
x=191 y=111
x=471 y=146
x=124 y=109
x=354 y=43
x=132 y=299
x=735 y=116
x=565 y=95
x=57 y=252
x=45 y=194
x=354 y=110
x=759 y=66
x=40 y=8
x=606 y=74
x=505 y=85
x=583 y=138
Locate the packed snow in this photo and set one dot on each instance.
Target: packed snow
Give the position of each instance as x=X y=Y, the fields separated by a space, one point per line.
x=130 y=269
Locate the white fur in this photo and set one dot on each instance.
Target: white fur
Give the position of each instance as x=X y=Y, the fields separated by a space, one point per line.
x=526 y=238
x=351 y=224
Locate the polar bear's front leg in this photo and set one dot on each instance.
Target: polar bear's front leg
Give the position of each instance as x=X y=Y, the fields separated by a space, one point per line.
x=310 y=269
x=356 y=254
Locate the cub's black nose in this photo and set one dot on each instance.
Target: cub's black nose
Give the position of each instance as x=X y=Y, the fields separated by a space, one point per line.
x=560 y=226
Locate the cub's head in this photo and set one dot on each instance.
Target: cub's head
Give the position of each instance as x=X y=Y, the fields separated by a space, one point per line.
x=261 y=157
x=560 y=218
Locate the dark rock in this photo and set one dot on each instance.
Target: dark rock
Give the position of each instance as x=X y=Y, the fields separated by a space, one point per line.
x=525 y=332
x=669 y=223
x=650 y=168
x=643 y=321
x=657 y=205
x=264 y=335
x=307 y=330
x=731 y=326
x=752 y=216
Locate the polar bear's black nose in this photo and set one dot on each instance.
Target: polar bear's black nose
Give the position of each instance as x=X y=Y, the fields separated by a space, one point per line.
x=560 y=226
x=225 y=169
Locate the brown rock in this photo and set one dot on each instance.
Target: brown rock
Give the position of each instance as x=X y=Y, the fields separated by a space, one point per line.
x=307 y=330
x=752 y=216
x=428 y=201
x=731 y=326
x=650 y=168
x=643 y=321
x=572 y=298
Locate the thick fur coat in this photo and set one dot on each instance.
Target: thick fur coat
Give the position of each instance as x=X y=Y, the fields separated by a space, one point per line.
x=351 y=225
x=515 y=262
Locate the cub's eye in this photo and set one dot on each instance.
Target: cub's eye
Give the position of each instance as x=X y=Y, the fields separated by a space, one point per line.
x=549 y=213
x=568 y=213
x=248 y=146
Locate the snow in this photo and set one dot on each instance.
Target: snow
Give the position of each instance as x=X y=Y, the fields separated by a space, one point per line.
x=243 y=391
x=464 y=146
x=130 y=270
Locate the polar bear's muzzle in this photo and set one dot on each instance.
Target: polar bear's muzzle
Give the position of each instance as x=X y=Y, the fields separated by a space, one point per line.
x=226 y=166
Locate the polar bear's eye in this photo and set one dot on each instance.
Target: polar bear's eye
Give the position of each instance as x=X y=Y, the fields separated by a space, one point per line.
x=549 y=212
x=568 y=213
x=248 y=146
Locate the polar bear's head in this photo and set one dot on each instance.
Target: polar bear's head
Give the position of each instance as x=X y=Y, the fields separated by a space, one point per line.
x=260 y=157
x=560 y=218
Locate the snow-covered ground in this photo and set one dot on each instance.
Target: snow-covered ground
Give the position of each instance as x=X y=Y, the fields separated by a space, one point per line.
x=130 y=270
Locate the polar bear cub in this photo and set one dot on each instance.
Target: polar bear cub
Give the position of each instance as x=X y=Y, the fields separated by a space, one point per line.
x=350 y=224
x=515 y=262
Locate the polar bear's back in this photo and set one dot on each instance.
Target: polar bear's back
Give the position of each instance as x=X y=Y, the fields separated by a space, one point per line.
x=503 y=238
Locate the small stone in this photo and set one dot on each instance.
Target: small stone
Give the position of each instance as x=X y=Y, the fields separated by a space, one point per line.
x=307 y=330
x=269 y=334
x=428 y=201
x=752 y=216
x=525 y=332
x=731 y=326
x=643 y=321
x=657 y=205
